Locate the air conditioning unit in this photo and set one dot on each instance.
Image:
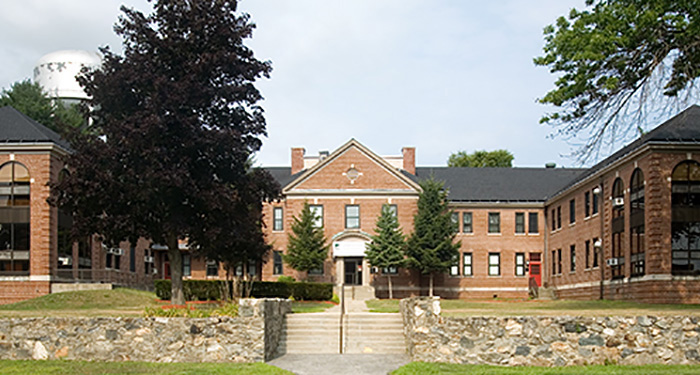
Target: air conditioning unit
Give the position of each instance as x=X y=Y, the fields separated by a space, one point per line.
x=116 y=251
x=148 y=259
x=618 y=202
x=612 y=262
x=65 y=261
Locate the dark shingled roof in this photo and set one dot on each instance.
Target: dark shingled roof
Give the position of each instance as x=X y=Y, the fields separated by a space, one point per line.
x=499 y=184
x=282 y=174
x=682 y=128
x=16 y=127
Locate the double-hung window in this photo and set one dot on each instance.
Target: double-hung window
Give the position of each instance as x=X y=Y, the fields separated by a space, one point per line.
x=519 y=222
x=467 y=222
x=467 y=269
x=494 y=264
x=519 y=264
x=494 y=222
x=317 y=210
x=352 y=216
x=278 y=219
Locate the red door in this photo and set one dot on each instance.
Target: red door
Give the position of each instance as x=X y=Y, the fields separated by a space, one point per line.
x=536 y=268
x=166 y=270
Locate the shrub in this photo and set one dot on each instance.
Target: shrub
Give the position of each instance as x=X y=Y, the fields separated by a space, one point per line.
x=211 y=290
x=306 y=291
x=285 y=279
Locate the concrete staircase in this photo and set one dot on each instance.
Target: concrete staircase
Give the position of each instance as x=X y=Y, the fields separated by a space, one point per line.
x=311 y=333
x=374 y=333
x=318 y=333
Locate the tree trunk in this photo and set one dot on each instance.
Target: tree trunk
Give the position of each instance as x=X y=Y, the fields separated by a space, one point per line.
x=178 y=295
x=391 y=292
x=431 y=284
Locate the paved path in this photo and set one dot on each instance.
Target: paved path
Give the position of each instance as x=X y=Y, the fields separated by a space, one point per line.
x=351 y=306
x=340 y=364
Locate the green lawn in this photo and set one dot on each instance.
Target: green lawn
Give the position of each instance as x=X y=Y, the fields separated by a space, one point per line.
x=420 y=368
x=311 y=306
x=115 y=302
x=383 y=305
x=132 y=368
x=562 y=307
x=518 y=307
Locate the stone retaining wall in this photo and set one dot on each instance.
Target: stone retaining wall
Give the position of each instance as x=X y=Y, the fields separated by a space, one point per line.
x=251 y=337
x=547 y=341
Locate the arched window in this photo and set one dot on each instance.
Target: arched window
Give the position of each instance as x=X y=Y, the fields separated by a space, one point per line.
x=14 y=219
x=65 y=245
x=637 y=242
x=685 y=218
x=618 y=229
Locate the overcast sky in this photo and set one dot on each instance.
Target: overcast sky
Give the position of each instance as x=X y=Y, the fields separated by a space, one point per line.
x=441 y=76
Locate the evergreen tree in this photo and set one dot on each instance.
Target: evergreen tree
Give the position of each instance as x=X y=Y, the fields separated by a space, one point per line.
x=30 y=99
x=306 y=248
x=430 y=248
x=387 y=246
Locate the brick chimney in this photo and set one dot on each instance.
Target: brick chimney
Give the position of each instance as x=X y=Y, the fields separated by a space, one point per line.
x=297 y=159
x=409 y=159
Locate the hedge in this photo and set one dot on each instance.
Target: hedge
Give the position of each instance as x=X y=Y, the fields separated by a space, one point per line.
x=211 y=290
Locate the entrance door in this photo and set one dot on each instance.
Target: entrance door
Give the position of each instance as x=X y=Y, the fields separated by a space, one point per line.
x=353 y=271
x=536 y=268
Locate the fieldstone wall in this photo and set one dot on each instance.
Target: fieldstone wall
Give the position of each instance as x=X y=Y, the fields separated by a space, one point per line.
x=273 y=310
x=547 y=341
x=251 y=337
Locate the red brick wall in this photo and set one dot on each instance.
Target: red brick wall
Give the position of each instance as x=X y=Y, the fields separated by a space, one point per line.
x=373 y=176
x=657 y=167
x=16 y=291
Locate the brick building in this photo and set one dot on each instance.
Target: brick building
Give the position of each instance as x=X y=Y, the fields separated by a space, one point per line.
x=626 y=228
x=36 y=257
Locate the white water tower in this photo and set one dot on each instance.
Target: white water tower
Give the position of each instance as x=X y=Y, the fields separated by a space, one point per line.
x=56 y=72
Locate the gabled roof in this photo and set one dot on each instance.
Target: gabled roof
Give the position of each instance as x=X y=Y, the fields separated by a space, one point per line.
x=352 y=143
x=499 y=184
x=283 y=175
x=681 y=129
x=16 y=127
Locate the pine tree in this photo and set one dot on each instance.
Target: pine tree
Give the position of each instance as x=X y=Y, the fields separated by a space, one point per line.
x=306 y=248
x=430 y=248
x=387 y=246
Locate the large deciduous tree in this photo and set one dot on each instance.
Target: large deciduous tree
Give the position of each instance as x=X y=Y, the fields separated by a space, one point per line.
x=617 y=62
x=481 y=159
x=431 y=248
x=175 y=121
x=307 y=248
x=387 y=247
x=30 y=99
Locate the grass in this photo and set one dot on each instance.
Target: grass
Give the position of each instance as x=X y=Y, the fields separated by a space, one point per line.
x=562 y=307
x=383 y=305
x=311 y=306
x=519 y=307
x=132 y=368
x=423 y=368
x=115 y=302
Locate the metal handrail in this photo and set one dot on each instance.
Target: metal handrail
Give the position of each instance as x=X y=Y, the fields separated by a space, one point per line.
x=342 y=316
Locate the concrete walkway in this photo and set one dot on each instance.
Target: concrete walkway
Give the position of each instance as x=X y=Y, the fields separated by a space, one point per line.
x=340 y=364
x=351 y=306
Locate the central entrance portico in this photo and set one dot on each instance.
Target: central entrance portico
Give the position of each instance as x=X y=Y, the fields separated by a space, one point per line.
x=352 y=268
